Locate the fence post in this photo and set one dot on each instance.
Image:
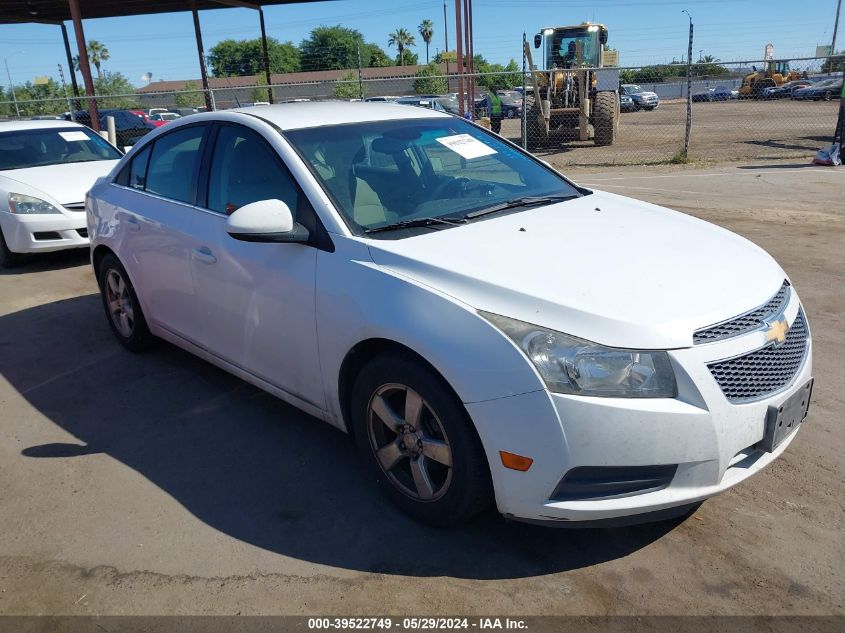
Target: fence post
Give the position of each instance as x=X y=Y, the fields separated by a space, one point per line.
x=689 y=88
x=524 y=122
x=360 y=77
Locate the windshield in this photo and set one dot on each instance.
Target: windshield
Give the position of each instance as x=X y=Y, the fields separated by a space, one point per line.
x=384 y=172
x=52 y=146
x=572 y=47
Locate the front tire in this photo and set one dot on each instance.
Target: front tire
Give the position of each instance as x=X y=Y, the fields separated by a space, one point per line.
x=418 y=442
x=123 y=310
x=604 y=118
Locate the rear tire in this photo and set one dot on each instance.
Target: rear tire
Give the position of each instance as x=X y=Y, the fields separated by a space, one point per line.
x=418 y=442
x=123 y=311
x=8 y=259
x=604 y=118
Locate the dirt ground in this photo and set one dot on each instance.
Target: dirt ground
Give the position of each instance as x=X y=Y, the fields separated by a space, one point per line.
x=723 y=130
x=157 y=484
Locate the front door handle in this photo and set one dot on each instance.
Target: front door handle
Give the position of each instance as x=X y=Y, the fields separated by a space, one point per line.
x=204 y=255
x=133 y=223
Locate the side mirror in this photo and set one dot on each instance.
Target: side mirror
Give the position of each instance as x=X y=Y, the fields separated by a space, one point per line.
x=265 y=221
x=538 y=39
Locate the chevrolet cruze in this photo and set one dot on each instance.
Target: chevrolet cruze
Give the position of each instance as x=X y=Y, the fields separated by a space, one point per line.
x=485 y=329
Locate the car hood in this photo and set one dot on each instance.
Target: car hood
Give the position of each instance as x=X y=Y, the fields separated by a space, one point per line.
x=645 y=93
x=602 y=267
x=65 y=184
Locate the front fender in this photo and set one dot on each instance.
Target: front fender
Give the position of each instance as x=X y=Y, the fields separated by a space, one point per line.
x=357 y=300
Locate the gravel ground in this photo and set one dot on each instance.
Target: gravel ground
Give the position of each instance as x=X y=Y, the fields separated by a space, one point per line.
x=157 y=484
x=721 y=131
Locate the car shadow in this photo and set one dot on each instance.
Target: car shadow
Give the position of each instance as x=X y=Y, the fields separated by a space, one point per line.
x=39 y=262
x=251 y=466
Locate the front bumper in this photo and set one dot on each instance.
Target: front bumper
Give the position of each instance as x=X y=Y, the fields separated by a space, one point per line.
x=44 y=233
x=712 y=442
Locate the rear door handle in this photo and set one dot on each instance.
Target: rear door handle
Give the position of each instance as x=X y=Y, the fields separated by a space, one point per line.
x=203 y=255
x=133 y=223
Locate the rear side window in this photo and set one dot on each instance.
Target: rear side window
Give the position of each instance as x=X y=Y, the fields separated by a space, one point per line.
x=245 y=169
x=138 y=170
x=173 y=164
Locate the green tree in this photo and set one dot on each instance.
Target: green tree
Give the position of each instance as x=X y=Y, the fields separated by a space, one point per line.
x=411 y=59
x=97 y=54
x=503 y=77
x=232 y=58
x=260 y=92
x=48 y=98
x=192 y=97
x=115 y=86
x=373 y=56
x=430 y=80
x=401 y=39
x=426 y=29
x=332 y=48
x=347 y=87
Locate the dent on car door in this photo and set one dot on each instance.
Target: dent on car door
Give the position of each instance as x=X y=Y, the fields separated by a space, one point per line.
x=256 y=300
x=158 y=235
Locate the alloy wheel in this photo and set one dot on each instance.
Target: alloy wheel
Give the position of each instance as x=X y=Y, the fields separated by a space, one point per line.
x=119 y=302
x=409 y=442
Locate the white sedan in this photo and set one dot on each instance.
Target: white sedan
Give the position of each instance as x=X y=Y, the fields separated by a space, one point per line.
x=485 y=328
x=45 y=169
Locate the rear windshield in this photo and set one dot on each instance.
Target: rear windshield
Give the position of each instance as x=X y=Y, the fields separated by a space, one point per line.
x=53 y=146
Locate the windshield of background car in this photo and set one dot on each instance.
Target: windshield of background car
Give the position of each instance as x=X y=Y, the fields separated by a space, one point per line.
x=52 y=146
x=381 y=173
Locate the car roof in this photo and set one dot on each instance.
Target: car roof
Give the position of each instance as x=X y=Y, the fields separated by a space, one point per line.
x=14 y=126
x=292 y=116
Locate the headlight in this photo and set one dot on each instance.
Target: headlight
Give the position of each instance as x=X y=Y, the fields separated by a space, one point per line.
x=575 y=366
x=23 y=204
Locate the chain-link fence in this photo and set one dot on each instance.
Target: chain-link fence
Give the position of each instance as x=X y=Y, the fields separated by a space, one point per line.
x=740 y=110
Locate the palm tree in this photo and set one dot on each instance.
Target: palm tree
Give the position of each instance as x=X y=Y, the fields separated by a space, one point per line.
x=401 y=39
x=97 y=54
x=426 y=32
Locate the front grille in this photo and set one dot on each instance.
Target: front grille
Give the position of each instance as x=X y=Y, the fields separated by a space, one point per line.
x=766 y=371
x=744 y=323
x=611 y=482
x=42 y=236
x=82 y=232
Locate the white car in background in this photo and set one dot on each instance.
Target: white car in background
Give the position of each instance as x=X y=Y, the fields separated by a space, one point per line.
x=485 y=328
x=45 y=169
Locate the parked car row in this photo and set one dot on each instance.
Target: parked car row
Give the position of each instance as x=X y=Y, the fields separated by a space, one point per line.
x=719 y=93
x=821 y=91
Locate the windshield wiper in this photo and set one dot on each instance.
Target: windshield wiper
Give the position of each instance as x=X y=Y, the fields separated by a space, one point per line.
x=528 y=201
x=408 y=224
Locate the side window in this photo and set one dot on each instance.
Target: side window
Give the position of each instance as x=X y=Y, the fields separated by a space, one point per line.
x=138 y=170
x=173 y=164
x=245 y=169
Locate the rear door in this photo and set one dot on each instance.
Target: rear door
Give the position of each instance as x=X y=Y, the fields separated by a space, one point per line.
x=157 y=217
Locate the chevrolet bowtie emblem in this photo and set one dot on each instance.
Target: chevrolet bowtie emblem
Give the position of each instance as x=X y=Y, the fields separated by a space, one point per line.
x=777 y=331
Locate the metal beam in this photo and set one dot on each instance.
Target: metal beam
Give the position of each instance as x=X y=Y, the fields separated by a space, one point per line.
x=239 y=3
x=459 y=36
x=267 y=55
x=201 y=53
x=84 y=66
x=70 y=69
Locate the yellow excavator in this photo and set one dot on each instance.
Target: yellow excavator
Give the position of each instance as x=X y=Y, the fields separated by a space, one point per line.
x=775 y=73
x=574 y=97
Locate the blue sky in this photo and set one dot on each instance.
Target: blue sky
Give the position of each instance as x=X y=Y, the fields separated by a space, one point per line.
x=644 y=31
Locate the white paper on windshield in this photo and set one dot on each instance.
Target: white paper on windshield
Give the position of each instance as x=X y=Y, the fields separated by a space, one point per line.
x=466 y=145
x=74 y=136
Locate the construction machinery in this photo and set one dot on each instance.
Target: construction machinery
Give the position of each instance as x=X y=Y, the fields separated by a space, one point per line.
x=773 y=75
x=575 y=98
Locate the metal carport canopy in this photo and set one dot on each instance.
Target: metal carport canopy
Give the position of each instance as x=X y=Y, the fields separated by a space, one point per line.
x=58 y=11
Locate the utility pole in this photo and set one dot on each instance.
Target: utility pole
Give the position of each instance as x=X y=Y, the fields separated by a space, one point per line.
x=67 y=96
x=689 y=87
x=446 y=39
x=835 y=27
x=11 y=86
x=360 y=77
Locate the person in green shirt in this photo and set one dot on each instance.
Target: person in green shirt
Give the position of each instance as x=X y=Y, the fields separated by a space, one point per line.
x=494 y=109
